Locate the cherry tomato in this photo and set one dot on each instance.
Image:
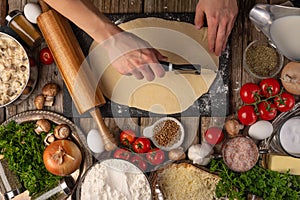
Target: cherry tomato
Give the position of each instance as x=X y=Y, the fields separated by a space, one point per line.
x=139 y=162
x=284 y=102
x=141 y=145
x=127 y=137
x=214 y=135
x=247 y=115
x=45 y=56
x=267 y=110
x=122 y=154
x=155 y=156
x=250 y=92
x=269 y=87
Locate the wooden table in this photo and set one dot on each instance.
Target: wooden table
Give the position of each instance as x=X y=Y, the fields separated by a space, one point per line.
x=243 y=33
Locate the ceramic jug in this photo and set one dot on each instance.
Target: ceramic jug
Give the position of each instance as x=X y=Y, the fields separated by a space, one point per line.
x=281 y=24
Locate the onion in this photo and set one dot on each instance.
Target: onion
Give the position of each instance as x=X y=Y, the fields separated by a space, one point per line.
x=62 y=157
x=290 y=77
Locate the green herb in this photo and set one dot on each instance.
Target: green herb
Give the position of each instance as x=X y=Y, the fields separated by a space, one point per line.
x=269 y=185
x=261 y=60
x=23 y=149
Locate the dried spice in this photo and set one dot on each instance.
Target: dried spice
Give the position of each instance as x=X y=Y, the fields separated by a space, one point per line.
x=261 y=60
x=167 y=133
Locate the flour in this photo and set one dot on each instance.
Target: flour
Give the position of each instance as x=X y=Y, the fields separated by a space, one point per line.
x=117 y=180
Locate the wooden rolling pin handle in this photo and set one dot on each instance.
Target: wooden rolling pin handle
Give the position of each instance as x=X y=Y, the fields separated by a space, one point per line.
x=108 y=138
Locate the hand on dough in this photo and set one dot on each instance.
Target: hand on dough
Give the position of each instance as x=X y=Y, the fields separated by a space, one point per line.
x=220 y=15
x=131 y=55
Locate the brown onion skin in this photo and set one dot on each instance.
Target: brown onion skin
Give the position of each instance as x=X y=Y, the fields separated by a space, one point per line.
x=69 y=165
x=291 y=69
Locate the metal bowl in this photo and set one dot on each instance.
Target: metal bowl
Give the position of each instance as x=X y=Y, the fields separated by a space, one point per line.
x=15 y=70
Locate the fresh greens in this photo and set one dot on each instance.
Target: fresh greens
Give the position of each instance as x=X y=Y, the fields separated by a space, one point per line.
x=23 y=149
x=269 y=185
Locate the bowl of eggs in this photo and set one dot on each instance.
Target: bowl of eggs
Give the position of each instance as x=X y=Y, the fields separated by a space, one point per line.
x=15 y=69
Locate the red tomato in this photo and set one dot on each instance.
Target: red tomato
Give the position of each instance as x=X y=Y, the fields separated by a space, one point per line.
x=214 y=135
x=122 y=154
x=267 y=110
x=127 y=137
x=141 y=145
x=247 y=115
x=284 y=102
x=155 y=156
x=250 y=92
x=46 y=57
x=269 y=87
x=139 y=162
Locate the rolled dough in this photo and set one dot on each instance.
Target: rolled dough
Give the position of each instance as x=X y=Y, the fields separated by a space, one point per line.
x=173 y=93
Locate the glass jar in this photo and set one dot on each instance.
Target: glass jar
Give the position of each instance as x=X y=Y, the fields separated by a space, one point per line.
x=28 y=33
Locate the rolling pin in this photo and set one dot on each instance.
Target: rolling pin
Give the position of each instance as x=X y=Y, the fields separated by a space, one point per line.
x=75 y=71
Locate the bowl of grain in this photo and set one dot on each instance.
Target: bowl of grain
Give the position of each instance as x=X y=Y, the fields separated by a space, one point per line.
x=166 y=133
x=14 y=68
x=262 y=60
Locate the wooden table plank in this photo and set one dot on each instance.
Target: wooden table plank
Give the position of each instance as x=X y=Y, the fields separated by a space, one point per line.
x=157 y=6
x=119 y=6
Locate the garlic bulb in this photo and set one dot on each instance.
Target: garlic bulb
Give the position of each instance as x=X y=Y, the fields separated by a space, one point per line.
x=200 y=153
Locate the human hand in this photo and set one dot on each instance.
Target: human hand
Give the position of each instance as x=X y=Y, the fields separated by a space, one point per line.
x=220 y=16
x=130 y=55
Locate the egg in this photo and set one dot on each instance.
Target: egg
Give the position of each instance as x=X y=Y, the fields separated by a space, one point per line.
x=260 y=130
x=32 y=11
x=94 y=141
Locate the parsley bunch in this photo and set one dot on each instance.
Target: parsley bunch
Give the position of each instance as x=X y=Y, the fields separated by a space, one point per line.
x=23 y=149
x=270 y=185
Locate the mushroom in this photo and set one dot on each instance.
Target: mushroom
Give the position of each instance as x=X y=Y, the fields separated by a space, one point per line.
x=42 y=125
x=62 y=131
x=49 y=91
x=177 y=154
x=39 y=101
x=49 y=139
x=233 y=127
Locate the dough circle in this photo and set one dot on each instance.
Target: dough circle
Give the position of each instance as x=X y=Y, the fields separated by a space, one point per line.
x=173 y=93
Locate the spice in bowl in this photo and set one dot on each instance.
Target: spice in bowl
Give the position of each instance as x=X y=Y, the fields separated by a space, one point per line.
x=166 y=133
x=262 y=60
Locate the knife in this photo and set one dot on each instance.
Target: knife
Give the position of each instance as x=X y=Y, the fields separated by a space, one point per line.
x=181 y=68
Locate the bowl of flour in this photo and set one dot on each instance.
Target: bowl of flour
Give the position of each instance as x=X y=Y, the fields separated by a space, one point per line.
x=114 y=179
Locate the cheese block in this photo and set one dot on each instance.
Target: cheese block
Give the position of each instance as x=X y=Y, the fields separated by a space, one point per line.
x=281 y=163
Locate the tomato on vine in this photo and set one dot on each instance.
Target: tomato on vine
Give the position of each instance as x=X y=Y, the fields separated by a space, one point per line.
x=267 y=110
x=284 y=102
x=250 y=93
x=127 y=137
x=247 y=115
x=269 y=87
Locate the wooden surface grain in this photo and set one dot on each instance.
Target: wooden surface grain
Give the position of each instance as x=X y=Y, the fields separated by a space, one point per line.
x=243 y=33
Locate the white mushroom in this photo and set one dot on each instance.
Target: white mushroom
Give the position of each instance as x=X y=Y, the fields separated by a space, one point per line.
x=50 y=90
x=62 y=131
x=49 y=139
x=42 y=125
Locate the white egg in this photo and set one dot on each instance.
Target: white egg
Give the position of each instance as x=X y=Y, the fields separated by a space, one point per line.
x=32 y=11
x=260 y=130
x=94 y=141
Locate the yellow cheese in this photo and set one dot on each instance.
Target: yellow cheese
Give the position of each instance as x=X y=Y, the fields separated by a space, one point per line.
x=282 y=164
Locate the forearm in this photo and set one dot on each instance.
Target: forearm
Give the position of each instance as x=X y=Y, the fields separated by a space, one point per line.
x=86 y=16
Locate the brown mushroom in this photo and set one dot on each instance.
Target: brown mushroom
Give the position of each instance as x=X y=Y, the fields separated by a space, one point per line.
x=50 y=90
x=49 y=139
x=39 y=101
x=42 y=125
x=233 y=127
x=62 y=131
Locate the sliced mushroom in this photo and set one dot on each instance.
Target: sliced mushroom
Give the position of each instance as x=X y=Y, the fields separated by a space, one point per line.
x=62 y=131
x=49 y=139
x=42 y=125
x=39 y=101
x=50 y=90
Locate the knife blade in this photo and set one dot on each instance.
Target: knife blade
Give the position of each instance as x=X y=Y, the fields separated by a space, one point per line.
x=181 y=68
